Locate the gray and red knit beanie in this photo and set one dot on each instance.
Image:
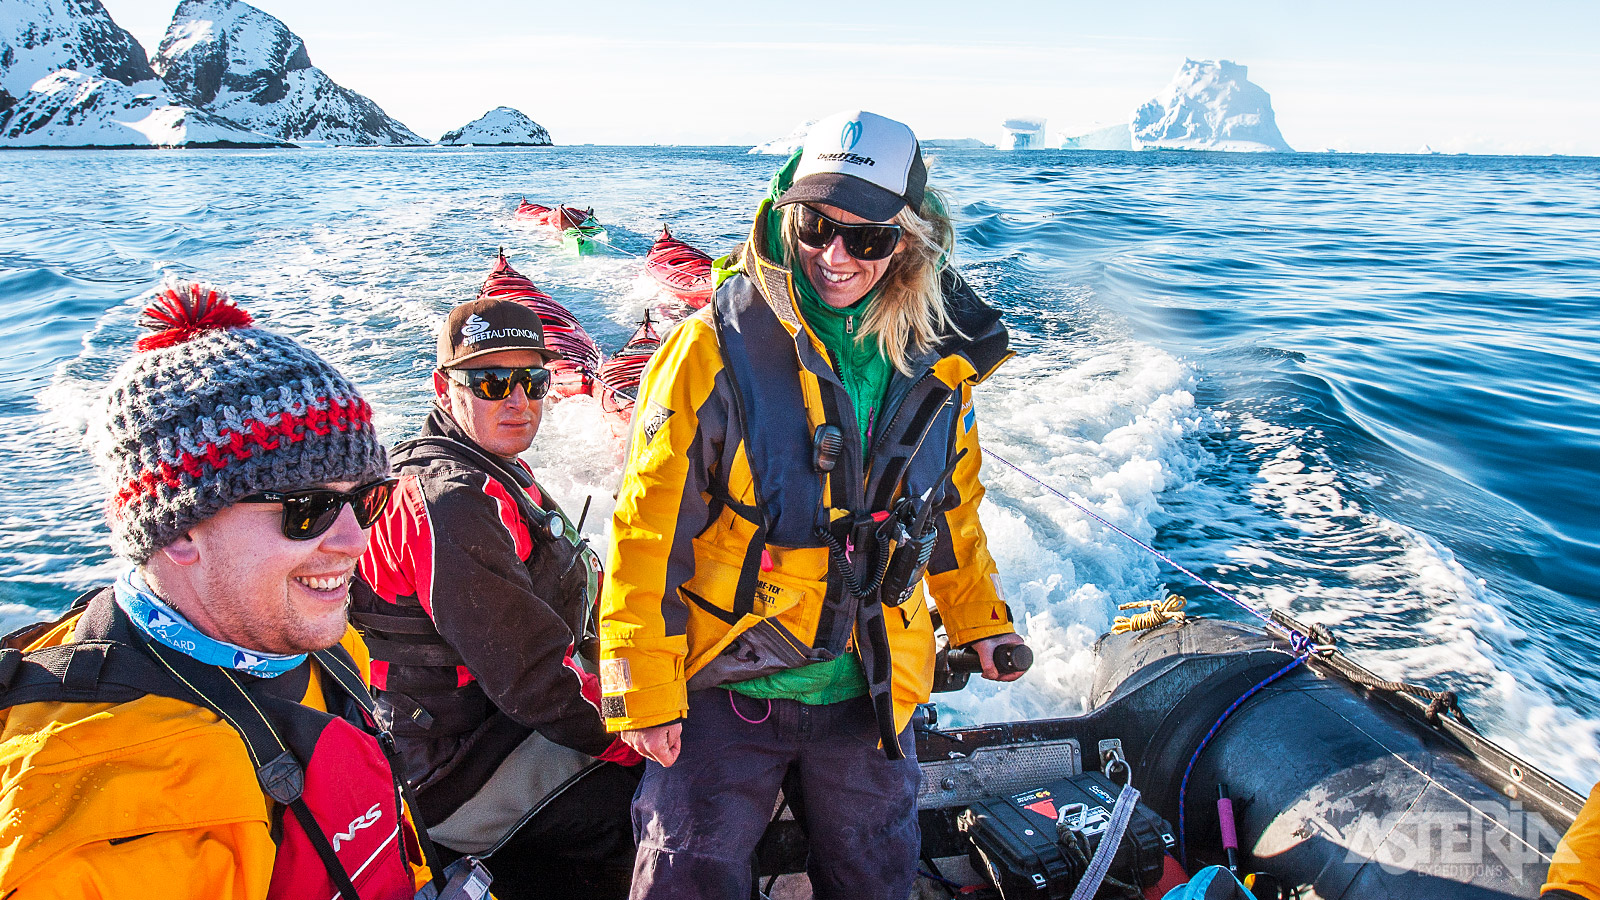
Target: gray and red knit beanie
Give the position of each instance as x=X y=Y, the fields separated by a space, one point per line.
x=211 y=409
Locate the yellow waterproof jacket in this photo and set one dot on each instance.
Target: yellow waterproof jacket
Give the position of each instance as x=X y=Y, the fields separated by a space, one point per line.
x=152 y=797
x=1575 y=868
x=719 y=567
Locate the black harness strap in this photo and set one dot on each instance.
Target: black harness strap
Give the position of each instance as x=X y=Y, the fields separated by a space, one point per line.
x=744 y=597
x=394 y=624
x=337 y=663
x=439 y=655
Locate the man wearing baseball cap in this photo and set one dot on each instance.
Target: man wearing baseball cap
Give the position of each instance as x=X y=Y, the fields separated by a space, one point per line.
x=469 y=597
x=205 y=722
x=804 y=479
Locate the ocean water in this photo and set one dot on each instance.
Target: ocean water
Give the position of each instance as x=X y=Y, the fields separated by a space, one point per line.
x=1362 y=388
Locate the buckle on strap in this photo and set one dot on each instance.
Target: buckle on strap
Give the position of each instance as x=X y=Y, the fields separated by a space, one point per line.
x=282 y=778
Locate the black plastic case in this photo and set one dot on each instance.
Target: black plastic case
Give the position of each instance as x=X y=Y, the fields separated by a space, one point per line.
x=1014 y=838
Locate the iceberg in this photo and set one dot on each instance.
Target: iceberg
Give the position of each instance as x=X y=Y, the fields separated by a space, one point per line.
x=1113 y=137
x=72 y=109
x=228 y=58
x=1022 y=133
x=1209 y=105
x=501 y=126
x=787 y=144
x=955 y=144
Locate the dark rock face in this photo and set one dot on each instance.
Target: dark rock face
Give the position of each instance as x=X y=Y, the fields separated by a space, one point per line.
x=38 y=37
x=233 y=60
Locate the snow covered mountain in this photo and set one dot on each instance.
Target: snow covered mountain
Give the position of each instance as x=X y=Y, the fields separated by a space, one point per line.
x=231 y=59
x=502 y=126
x=71 y=109
x=69 y=77
x=1208 y=106
x=38 y=37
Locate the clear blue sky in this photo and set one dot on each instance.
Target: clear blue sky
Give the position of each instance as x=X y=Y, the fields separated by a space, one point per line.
x=1356 y=76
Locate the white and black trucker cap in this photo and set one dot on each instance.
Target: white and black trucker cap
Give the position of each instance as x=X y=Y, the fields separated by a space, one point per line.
x=860 y=162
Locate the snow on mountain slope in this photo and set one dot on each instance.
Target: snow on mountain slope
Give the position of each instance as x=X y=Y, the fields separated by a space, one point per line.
x=38 y=37
x=1209 y=106
x=228 y=58
x=72 y=109
x=501 y=125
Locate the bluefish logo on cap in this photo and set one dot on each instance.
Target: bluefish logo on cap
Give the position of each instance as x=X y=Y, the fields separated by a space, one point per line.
x=850 y=135
x=474 y=327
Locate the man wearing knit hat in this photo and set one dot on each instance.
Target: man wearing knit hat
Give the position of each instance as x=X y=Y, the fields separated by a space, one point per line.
x=206 y=720
x=469 y=598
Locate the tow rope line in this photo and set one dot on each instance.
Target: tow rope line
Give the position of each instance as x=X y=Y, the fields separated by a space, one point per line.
x=1293 y=636
x=608 y=385
x=1301 y=645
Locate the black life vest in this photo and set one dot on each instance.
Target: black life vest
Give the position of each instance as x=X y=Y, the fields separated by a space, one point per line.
x=912 y=446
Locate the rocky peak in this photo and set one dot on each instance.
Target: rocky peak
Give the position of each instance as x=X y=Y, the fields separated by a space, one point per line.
x=38 y=37
x=231 y=59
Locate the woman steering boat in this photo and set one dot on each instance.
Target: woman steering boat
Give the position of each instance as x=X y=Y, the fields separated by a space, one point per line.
x=804 y=465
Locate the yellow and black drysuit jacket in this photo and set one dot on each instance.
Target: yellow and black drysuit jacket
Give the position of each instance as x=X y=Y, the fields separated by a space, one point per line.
x=720 y=561
x=1575 y=868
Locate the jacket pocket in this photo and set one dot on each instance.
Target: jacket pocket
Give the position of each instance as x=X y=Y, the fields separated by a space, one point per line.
x=762 y=649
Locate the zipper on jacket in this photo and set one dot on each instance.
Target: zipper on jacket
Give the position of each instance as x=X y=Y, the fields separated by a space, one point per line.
x=898 y=407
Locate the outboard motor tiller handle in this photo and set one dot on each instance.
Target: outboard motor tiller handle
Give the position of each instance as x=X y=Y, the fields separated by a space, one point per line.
x=1008 y=658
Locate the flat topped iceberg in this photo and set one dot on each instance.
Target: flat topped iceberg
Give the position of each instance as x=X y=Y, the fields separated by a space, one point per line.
x=72 y=109
x=787 y=144
x=1112 y=137
x=501 y=126
x=229 y=58
x=1209 y=105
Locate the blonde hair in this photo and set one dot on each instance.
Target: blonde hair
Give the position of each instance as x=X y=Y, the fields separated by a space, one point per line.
x=909 y=315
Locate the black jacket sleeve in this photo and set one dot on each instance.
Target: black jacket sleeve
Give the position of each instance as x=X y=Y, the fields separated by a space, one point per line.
x=484 y=605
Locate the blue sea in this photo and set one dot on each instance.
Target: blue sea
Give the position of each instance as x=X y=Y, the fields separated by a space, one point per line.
x=1362 y=388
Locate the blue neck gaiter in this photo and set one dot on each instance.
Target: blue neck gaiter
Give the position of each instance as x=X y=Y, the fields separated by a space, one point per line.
x=151 y=615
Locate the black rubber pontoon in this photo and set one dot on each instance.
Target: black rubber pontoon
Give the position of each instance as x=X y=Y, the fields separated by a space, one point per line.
x=1340 y=790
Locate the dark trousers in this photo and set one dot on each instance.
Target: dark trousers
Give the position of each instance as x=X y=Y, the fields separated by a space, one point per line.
x=698 y=822
x=579 y=847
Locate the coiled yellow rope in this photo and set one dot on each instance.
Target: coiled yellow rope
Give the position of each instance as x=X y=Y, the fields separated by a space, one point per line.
x=1158 y=612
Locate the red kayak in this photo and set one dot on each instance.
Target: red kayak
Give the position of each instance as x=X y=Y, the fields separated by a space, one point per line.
x=682 y=270
x=533 y=212
x=618 y=382
x=580 y=356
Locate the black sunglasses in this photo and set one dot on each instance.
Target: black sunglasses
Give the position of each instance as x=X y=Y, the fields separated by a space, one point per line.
x=307 y=514
x=497 y=384
x=871 y=241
